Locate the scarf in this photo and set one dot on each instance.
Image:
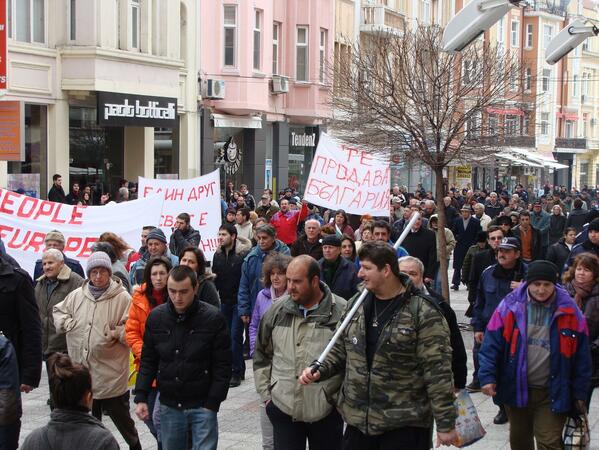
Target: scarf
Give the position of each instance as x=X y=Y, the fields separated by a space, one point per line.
x=582 y=290
x=159 y=296
x=97 y=292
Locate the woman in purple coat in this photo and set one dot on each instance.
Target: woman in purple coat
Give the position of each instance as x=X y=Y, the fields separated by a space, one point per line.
x=275 y=282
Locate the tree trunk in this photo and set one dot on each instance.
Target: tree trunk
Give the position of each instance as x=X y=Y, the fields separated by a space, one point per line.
x=441 y=241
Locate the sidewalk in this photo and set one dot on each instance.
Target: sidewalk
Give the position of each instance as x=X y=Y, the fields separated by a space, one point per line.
x=239 y=423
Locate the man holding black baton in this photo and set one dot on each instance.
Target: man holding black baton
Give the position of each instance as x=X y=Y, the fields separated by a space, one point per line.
x=394 y=354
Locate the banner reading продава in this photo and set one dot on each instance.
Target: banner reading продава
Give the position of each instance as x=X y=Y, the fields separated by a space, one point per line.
x=345 y=177
x=199 y=197
x=24 y=222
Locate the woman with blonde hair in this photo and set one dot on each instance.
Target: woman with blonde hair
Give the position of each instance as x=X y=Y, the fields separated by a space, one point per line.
x=581 y=281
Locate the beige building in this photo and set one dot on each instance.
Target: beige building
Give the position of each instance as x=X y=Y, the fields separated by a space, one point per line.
x=109 y=89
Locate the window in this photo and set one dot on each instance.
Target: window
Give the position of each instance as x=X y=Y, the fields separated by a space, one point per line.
x=257 y=38
x=512 y=124
x=469 y=72
x=527 y=79
x=135 y=23
x=72 y=19
x=545 y=80
x=585 y=86
x=301 y=55
x=514 y=80
x=584 y=173
x=493 y=124
x=525 y=124
x=276 y=31
x=515 y=34
x=322 y=56
x=575 y=86
x=547 y=35
x=529 y=29
x=544 y=124
x=473 y=125
x=426 y=12
x=585 y=45
x=569 y=129
x=27 y=20
x=230 y=35
x=501 y=30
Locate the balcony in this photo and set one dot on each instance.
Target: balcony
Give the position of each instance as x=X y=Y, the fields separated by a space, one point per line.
x=570 y=145
x=554 y=7
x=380 y=19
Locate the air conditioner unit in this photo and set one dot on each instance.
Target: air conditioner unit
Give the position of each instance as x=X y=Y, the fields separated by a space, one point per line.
x=280 y=84
x=215 y=89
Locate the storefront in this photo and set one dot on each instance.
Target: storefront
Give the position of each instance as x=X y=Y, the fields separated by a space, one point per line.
x=302 y=145
x=109 y=139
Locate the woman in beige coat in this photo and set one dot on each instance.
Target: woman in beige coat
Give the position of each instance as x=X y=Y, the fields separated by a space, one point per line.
x=93 y=318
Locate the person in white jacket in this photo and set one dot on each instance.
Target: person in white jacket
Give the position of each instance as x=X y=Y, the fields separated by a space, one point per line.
x=93 y=318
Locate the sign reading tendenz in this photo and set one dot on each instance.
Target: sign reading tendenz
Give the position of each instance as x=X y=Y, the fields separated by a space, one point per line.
x=136 y=110
x=344 y=177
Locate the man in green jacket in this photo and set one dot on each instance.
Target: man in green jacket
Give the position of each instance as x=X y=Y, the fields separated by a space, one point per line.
x=396 y=359
x=292 y=333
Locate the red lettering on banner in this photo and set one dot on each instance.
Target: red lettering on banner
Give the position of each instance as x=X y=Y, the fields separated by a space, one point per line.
x=86 y=248
x=76 y=214
x=36 y=243
x=27 y=201
x=4 y=228
x=45 y=209
x=166 y=221
x=7 y=201
x=174 y=194
x=147 y=190
x=209 y=245
x=55 y=218
x=202 y=222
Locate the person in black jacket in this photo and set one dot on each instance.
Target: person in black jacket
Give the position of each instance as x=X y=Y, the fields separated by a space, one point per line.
x=577 y=217
x=339 y=274
x=557 y=224
x=56 y=192
x=558 y=252
x=414 y=268
x=310 y=242
x=184 y=235
x=422 y=244
x=10 y=396
x=194 y=258
x=189 y=342
x=226 y=265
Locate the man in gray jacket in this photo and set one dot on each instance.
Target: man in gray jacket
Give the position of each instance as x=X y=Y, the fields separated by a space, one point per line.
x=292 y=334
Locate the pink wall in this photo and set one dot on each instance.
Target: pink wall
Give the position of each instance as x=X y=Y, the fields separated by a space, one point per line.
x=248 y=91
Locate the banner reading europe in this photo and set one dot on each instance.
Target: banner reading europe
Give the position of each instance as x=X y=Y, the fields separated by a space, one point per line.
x=348 y=178
x=24 y=222
x=199 y=197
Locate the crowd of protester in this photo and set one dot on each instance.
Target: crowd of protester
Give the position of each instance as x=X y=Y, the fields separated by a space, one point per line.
x=284 y=276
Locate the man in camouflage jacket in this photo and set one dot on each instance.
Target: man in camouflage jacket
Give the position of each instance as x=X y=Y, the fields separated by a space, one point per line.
x=396 y=355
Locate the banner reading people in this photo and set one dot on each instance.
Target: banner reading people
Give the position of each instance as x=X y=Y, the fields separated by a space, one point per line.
x=24 y=222
x=348 y=178
x=199 y=197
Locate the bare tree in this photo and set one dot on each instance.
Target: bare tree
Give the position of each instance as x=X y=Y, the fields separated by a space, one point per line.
x=403 y=94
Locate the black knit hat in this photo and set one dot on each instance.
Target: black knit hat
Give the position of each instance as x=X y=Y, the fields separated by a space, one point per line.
x=157 y=234
x=594 y=225
x=331 y=239
x=542 y=270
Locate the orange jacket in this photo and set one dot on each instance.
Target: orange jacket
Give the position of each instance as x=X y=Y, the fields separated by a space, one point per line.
x=136 y=323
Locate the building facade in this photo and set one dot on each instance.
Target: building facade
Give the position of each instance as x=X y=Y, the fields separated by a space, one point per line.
x=109 y=90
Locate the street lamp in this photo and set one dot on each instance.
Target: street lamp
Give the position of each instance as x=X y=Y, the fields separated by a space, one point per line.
x=568 y=39
x=472 y=21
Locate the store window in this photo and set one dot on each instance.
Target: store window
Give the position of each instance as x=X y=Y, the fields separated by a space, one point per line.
x=30 y=176
x=302 y=145
x=96 y=153
x=166 y=153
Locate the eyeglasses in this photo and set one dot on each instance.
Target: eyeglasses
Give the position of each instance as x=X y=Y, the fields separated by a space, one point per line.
x=495 y=238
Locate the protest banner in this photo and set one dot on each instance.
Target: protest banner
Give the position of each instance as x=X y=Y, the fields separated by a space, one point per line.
x=24 y=222
x=199 y=197
x=348 y=178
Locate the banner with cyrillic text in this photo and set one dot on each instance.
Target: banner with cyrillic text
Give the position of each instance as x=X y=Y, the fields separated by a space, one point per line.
x=199 y=197
x=348 y=178
x=24 y=222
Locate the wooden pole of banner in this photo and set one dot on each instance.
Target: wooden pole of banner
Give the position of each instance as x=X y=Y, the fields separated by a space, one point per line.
x=320 y=361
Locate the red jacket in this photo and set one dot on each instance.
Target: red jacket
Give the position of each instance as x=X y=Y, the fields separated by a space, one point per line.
x=286 y=223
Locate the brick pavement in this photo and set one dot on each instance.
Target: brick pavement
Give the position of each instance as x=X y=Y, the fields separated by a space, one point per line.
x=239 y=424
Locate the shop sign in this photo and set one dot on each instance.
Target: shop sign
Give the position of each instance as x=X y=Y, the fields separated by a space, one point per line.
x=229 y=156
x=3 y=48
x=119 y=110
x=268 y=174
x=12 y=131
x=303 y=140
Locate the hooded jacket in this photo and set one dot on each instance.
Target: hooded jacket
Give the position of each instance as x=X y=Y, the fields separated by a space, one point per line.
x=71 y=429
x=207 y=290
x=266 y=297
x=227 y=268
x=88 y=323
x=288 y=342
x=503 y=355
x=586 y=247
x=345 y=279
x=558 y=253
x=251 y=275
x=67 y=282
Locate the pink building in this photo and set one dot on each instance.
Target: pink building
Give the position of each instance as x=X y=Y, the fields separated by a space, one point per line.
x=264 y=70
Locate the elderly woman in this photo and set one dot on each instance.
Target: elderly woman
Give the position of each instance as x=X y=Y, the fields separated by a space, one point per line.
x=93 y=318
x=557 y=224
x=52 y=287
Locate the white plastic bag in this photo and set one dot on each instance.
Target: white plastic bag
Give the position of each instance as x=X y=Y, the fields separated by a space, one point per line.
x=467 y=424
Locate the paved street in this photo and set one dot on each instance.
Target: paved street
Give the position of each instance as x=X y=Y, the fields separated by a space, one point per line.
x=239 y=422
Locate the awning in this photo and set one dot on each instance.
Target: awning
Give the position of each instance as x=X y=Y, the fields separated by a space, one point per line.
x=505 y=111
x=567 y=116
x=517 y=161
x=224 y=121
x=546 y=161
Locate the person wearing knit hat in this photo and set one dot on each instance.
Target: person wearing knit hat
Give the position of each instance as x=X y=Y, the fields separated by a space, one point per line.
x=93 y=318
x=339 y=273
x=535 y=359
x=156 y=244
x=590 y=245
x=55 y=239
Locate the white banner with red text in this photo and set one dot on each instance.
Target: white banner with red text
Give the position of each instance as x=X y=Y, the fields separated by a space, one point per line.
x=348 y=178
x=24 y=222
x=199 y=197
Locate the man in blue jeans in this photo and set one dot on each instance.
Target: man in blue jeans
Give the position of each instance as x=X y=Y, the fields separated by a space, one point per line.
x=226 y=265
x=189 y=341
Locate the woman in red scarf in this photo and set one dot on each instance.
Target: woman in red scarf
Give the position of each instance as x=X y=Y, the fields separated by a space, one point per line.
x=146 y=297
x=581 y=280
